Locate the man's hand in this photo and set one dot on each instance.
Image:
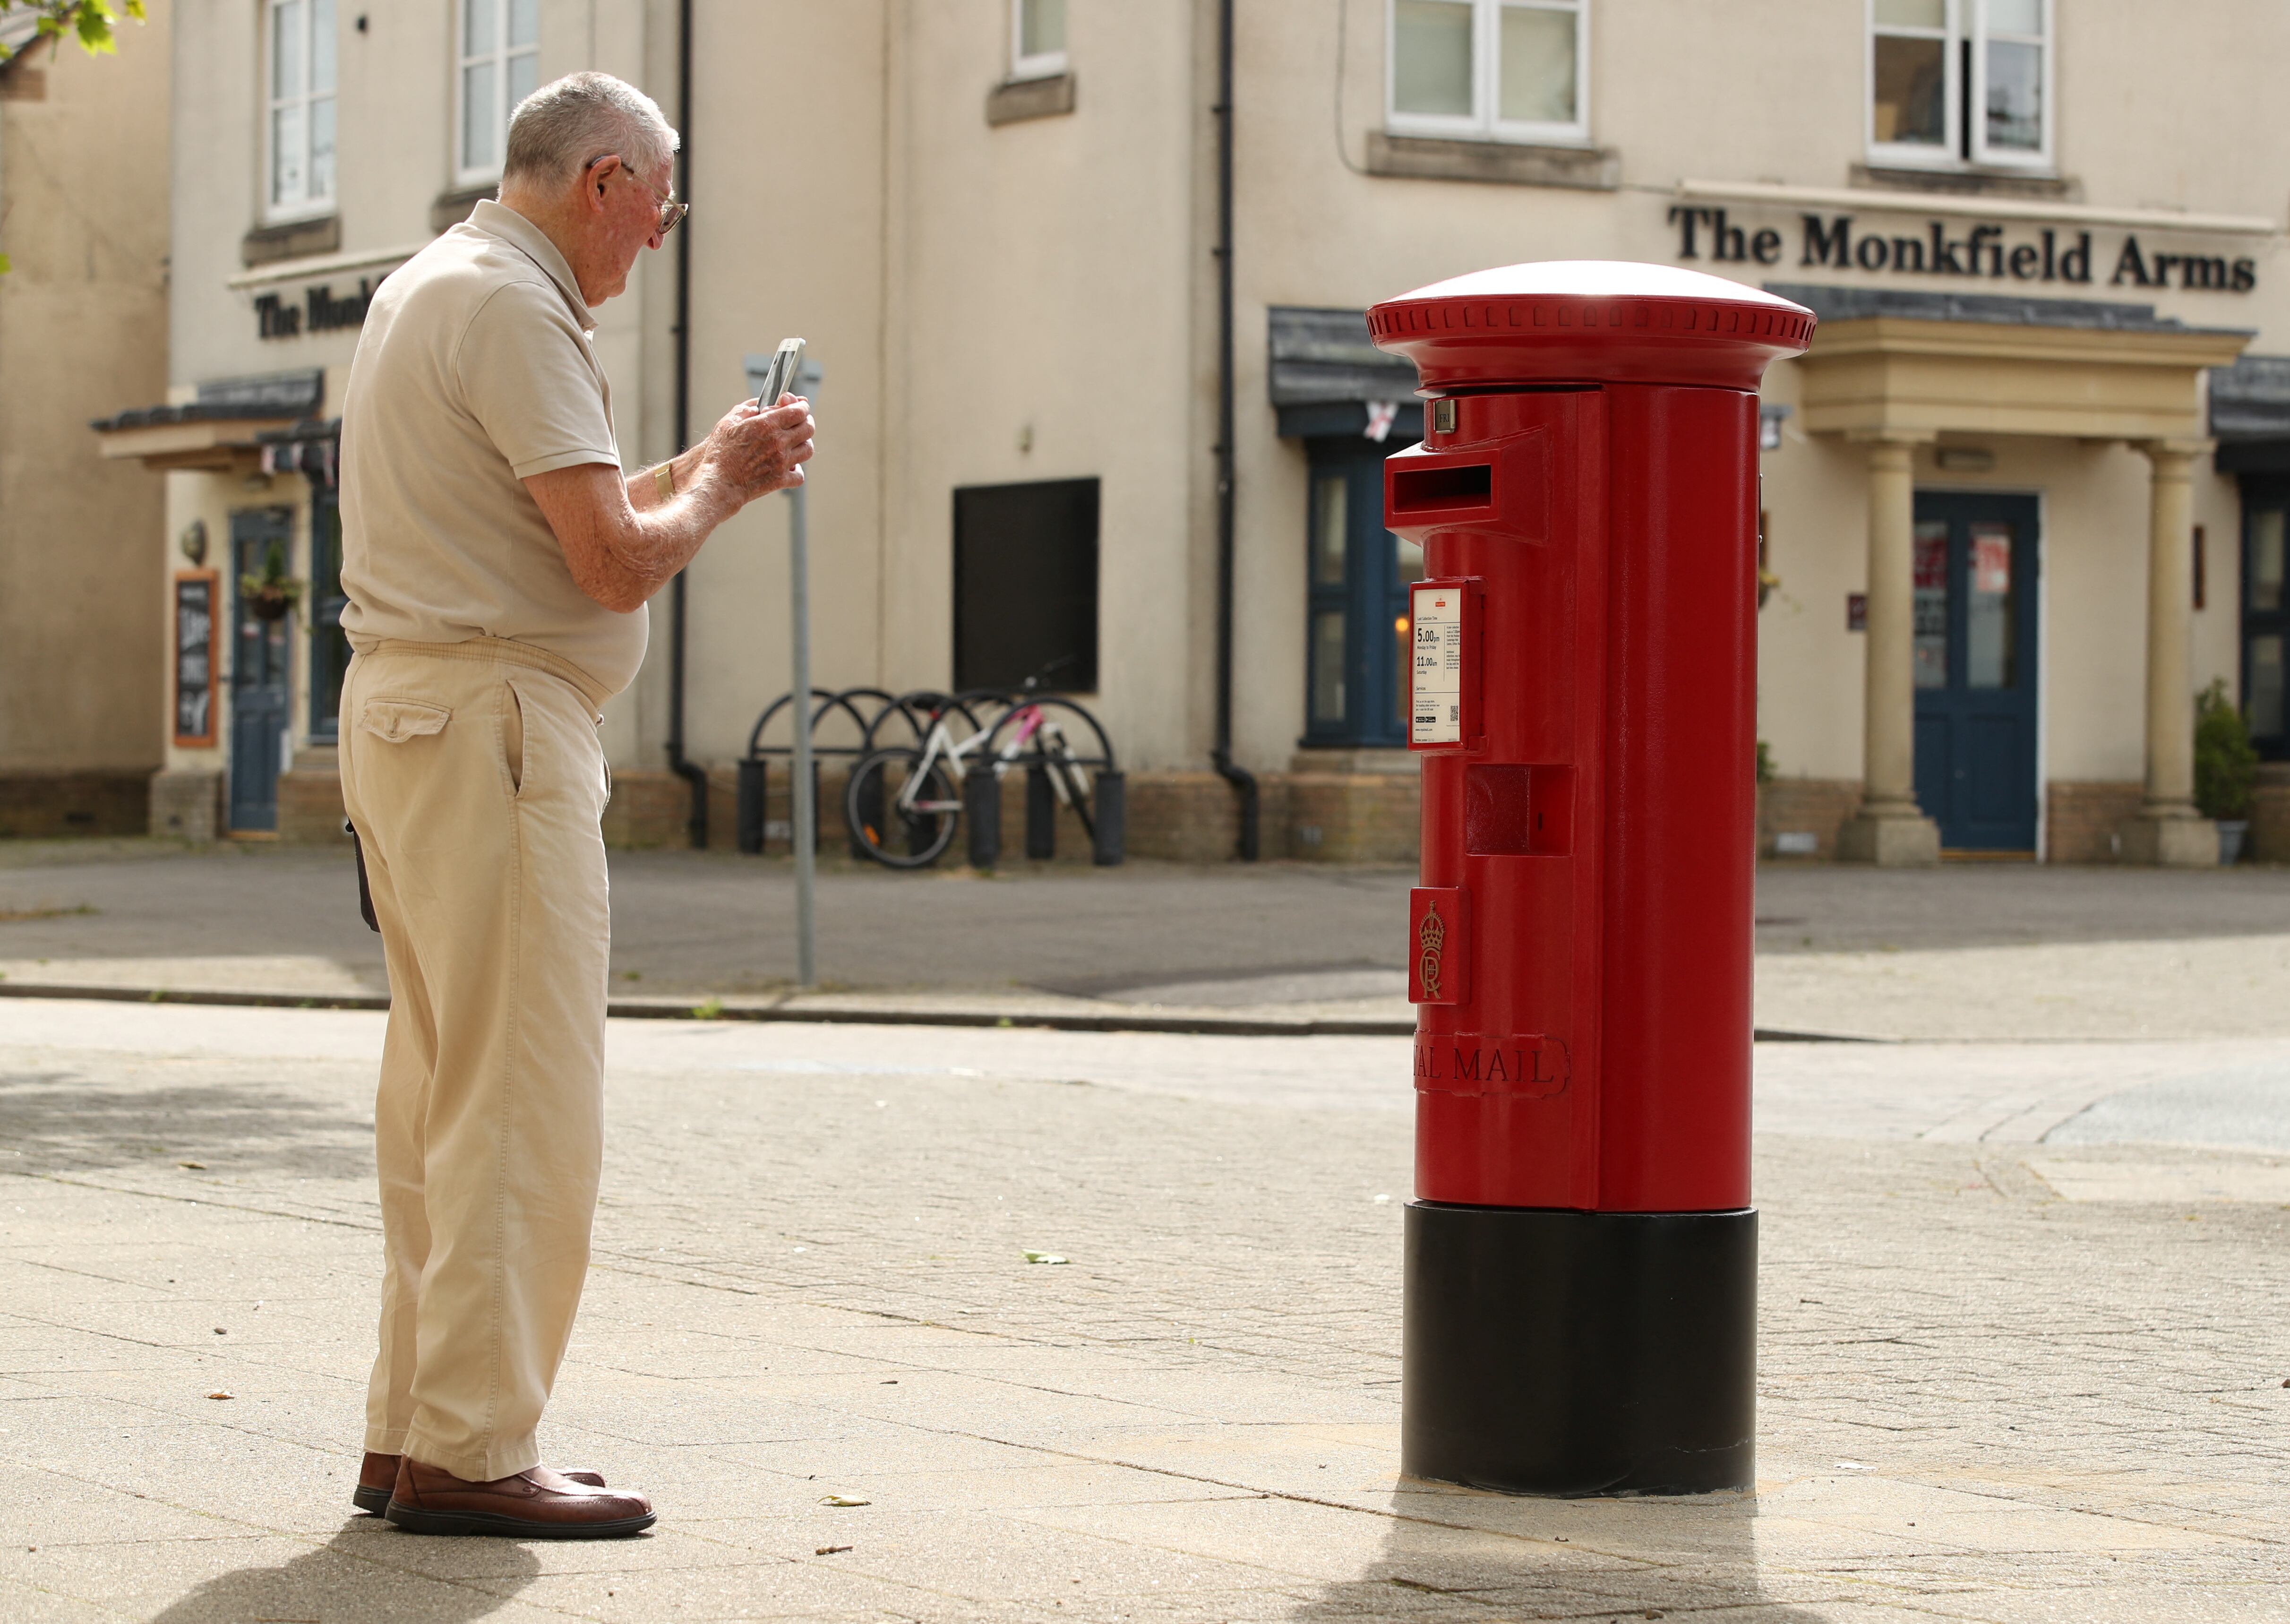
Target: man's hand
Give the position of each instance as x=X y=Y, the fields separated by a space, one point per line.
x=756 y=452
x=623 y=541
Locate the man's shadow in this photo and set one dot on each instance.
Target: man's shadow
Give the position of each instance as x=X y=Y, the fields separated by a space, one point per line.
x=366 y=1570
x=1458 y=1553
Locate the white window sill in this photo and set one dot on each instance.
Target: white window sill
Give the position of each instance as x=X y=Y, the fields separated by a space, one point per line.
x=300 y=214
x=1439 y=130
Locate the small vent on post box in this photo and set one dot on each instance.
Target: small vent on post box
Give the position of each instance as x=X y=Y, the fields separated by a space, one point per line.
x=1518 y=811
x=1439 y=490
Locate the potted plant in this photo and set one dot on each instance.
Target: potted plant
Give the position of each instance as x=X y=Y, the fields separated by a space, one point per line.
x=2226 y=768
x=271 y=595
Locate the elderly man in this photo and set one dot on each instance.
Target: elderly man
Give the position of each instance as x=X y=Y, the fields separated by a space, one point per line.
x=497 y=563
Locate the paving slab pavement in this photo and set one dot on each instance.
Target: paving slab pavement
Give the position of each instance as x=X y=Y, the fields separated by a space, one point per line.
x=2022 y=1330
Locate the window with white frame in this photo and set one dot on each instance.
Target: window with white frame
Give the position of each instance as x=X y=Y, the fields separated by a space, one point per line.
x=1512 y=70
x=1958 y=82
x=301 y=41
x=500 y=66
x=1038 y=38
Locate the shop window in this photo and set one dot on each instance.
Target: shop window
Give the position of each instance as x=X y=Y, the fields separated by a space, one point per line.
x=299 y=42
x=1357 y=573
x=1960 y=81
x=1038 y=38
x=2265 y=625
x=1025 y=584
x=1512 y=70
x=330 y=647
x=500 y=65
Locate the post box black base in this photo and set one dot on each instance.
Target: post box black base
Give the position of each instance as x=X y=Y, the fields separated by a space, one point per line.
x=1568 y=1354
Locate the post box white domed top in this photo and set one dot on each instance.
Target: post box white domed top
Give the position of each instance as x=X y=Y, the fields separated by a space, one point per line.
x=1589 y=320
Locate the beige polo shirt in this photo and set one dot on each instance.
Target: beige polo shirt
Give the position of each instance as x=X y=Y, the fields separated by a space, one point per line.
x=475 y=370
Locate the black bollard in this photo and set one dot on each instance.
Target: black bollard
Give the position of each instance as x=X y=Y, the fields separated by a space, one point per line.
x=1110 y=811
x=1041 y=814
x=981 y=808
x=754 y=784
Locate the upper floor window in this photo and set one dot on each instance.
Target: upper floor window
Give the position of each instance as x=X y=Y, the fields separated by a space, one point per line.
x=1960 y=81
x=1038 y=38
x=301 y=105
x=501 y=67
x=1490 y=69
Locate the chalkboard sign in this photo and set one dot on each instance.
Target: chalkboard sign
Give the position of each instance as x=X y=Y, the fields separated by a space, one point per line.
x=194 y=625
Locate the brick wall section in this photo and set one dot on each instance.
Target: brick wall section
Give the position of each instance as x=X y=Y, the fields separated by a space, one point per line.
x=2270 y=816
x=647 y=809
x=187 y=805
x=1188 y=817
x=310 y=806
x=2080 y=819
x=43 y=804
x=1818 y=806
x=1354 y=818
x=1175 y=817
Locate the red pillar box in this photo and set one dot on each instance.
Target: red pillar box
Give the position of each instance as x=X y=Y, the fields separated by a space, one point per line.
x=1582 y=1253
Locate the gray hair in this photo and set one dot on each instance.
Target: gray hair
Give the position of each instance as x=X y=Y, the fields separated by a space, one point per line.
x=574 y=121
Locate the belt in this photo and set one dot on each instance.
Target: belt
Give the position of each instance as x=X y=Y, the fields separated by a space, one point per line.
x=506 y=651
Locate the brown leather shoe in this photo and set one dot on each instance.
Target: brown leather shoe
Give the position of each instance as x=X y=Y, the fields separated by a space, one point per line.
x=378 y=1476
x=535 y=1505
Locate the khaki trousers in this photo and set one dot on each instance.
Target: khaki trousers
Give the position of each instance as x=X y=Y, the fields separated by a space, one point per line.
x=476 y=779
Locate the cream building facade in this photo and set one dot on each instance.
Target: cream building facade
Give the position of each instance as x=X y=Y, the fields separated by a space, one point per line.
x=83 y=327
x=2024 y=497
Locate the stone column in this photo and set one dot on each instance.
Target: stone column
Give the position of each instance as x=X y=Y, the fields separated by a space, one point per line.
x=1890 y=829
x=2168 y=830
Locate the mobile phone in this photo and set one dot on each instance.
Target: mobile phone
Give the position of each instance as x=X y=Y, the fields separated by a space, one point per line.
x=779 y=378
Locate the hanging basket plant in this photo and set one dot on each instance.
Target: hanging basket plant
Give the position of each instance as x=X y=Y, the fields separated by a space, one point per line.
x=272 y=594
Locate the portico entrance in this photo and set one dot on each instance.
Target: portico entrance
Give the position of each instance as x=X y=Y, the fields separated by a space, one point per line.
x=1975 y=664
x=1947 y=743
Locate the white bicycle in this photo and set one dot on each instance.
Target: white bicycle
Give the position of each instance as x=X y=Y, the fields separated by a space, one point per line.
x=902 y=802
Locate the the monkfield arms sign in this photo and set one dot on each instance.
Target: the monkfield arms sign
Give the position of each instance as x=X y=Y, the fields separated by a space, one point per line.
x=1990 y=252
x=319 y=312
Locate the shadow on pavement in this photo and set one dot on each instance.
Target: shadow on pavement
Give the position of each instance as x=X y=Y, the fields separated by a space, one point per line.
x=344 y=1579
x=56 y=1121
x=1455 y=1553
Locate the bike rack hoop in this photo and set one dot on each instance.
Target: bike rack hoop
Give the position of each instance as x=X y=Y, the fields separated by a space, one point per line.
x=845 y=701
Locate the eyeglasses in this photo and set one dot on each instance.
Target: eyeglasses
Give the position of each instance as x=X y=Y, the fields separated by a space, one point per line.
x=671 y=210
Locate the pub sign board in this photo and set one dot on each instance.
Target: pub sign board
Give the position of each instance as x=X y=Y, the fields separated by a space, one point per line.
x=320 y=311
x=1936 y=248
x=195 y=624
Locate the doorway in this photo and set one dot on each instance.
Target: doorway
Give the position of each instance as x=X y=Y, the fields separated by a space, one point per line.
x=2266 y=613
x=258 y=671
x=1355 y=636
x=1976 y=666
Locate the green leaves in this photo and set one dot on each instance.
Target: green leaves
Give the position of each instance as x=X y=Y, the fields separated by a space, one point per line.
x=2226 y=764
x=92 y=23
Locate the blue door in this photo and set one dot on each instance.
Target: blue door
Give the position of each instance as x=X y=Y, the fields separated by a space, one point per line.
x=1975 y=669
x=258 y=671
x=1356 y=639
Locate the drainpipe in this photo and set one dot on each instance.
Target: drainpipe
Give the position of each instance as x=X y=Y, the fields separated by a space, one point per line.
x=689 y=770
x=1240 y=777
